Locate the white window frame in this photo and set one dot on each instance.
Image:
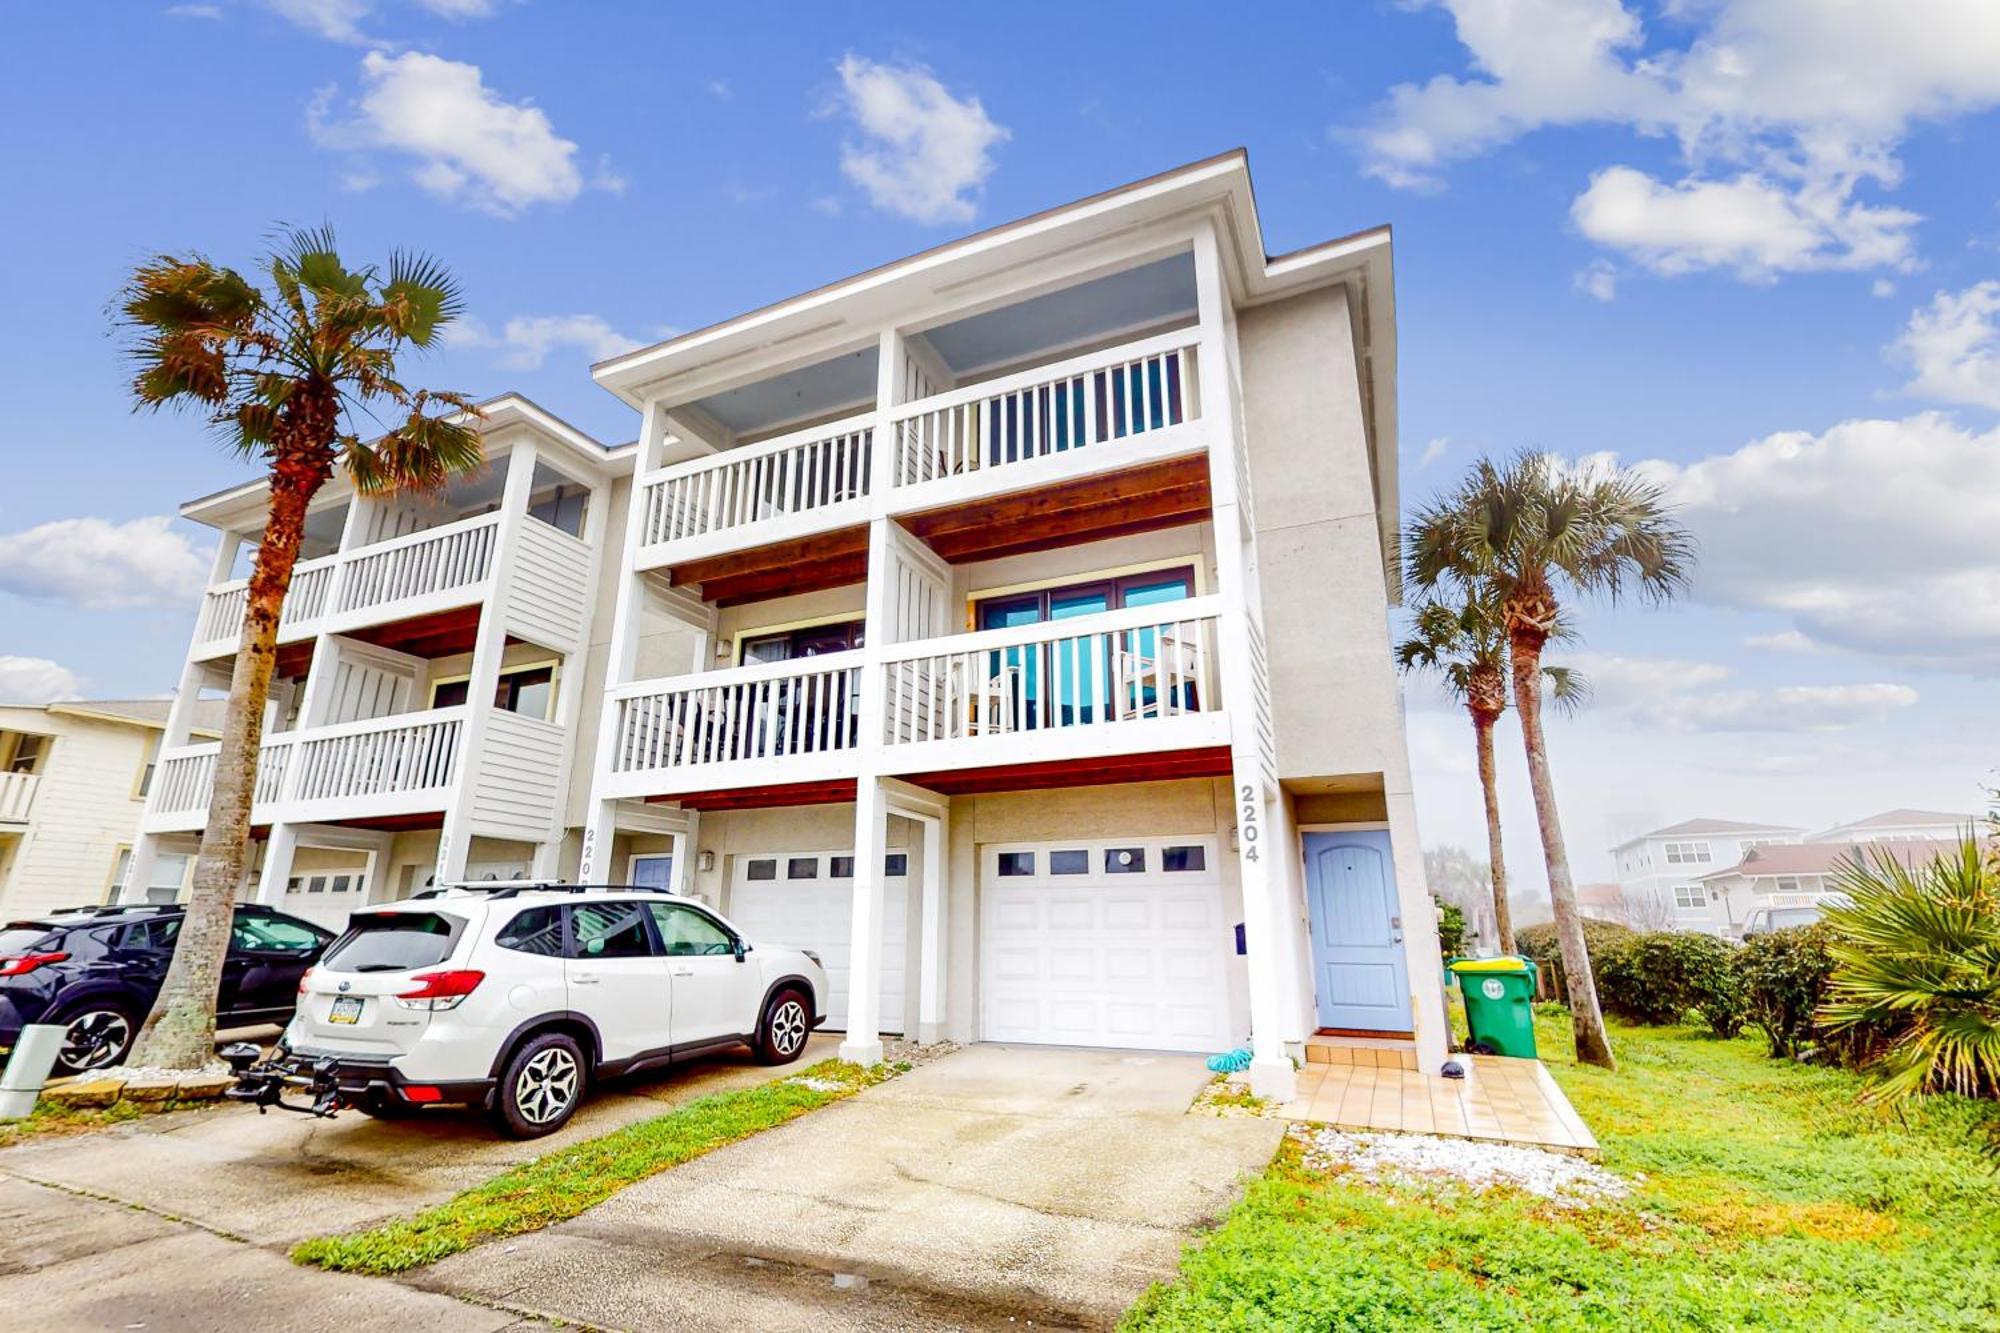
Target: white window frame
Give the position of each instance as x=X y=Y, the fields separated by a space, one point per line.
x=1690 y=897
x=1688 y=854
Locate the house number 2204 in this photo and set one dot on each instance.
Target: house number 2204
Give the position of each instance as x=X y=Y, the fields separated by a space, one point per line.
x=1247 y=820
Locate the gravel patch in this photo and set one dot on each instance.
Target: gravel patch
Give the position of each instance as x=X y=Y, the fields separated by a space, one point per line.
x=915 y=1053
x=1424 y=1160
x=154 y=1074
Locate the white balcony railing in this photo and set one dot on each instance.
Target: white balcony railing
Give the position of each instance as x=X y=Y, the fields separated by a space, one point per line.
x=1086 y=401
x=389 y=758
x=392 y=756
x=770 y=711
x=793 y=474
x=17 y=796
x=436 y=560
x=1118 y=669
x=222 y=609
x=422 y=564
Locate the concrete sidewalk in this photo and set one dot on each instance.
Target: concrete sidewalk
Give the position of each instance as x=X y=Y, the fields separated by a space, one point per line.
x=995 y=1186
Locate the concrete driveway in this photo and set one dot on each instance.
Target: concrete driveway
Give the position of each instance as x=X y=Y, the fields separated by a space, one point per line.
x=995 y=1186
x=183 y=1221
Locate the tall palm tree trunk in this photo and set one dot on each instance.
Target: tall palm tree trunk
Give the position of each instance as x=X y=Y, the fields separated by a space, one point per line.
x=1593 y=1045
x=1503 y=916
x=180 y=1032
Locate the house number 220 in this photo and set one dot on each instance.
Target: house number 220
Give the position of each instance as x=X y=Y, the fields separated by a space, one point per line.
x=1250 y=831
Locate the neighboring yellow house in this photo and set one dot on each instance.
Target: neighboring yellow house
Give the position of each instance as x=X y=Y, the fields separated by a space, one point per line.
x=73 y=783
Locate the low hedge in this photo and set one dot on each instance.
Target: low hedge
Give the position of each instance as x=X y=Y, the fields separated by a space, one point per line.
x=1784 y=976
x=1539 y=944
x=1659 y=977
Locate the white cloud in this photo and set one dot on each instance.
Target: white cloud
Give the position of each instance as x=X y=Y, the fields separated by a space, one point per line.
x=1789 y=708
x=1953 y=344
x=720 y=89
x=35 y=680
x=924 y=154
x=1750 y=225
x=1876 y=537
x=1784 y=641
x=1433 y=451
x=1882 y=288
x=462 y=10
x=1599 y=280
x=525 y=341
x=1619 y=681
x=470 y=145
x=335 y=20
x=1782 y=112
x=194 y=12
x=103 y=566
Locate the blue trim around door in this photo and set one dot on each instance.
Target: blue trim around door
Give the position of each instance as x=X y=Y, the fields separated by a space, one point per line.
x=1361 y=979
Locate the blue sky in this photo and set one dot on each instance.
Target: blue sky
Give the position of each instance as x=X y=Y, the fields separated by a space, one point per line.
x=1753 y=241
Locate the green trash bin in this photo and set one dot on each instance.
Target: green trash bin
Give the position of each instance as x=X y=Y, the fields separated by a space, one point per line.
x=1499 y=1004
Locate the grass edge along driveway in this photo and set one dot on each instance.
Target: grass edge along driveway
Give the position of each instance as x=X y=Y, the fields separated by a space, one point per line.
x=572 y=1180
x=1763 y=1196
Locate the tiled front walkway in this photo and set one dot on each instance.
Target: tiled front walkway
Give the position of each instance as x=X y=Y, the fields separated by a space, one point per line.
x=1500 y=1098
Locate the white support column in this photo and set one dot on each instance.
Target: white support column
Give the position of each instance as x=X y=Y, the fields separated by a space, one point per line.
x=277 y=868
x=1272 y=1074
x=871 y=811
x=930 y=982
x=622 y=657
x=686 y=848
x=863 y=1043
x=483 y=681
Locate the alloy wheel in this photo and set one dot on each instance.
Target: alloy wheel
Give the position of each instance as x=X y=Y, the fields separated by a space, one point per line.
x=546 y=1086
x=788 y=1027
x=94 y=1039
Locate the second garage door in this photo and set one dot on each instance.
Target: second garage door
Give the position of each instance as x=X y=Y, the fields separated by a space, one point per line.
x=1105 y=944
x=806 y=899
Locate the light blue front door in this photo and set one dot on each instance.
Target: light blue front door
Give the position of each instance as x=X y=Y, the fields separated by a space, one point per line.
x=1360 y=978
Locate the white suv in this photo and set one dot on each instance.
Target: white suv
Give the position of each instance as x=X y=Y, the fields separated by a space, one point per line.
x=514 y=998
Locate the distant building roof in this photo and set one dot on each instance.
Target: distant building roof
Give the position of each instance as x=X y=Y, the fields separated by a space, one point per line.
x=1697 y=827
x=1909 y=818
x=1823 y=858
x=145 y=712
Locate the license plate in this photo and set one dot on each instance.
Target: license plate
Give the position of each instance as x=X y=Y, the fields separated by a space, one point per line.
x=346 y=1009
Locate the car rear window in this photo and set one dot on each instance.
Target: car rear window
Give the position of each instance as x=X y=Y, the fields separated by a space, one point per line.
x=393 y=942
x=17 y=940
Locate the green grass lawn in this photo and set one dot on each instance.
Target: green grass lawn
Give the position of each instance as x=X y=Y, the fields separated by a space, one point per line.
x=1764 y=1197
x=566 y=1182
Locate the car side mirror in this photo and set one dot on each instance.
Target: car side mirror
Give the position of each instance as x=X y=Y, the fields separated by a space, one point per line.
x=740 y=949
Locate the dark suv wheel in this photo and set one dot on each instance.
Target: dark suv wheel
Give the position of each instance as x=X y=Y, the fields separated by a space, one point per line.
x=96 y=1035
x=540 y=1087
x=781 y=1037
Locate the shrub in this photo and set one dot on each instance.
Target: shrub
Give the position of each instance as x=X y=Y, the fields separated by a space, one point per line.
x=1658 y=977
x=1784 y=976
x=1916 y=976
x=1600 y=940
x=1451 y=929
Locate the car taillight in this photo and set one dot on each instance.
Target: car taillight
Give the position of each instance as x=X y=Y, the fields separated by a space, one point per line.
x=439 y=990
x=22 y=964
x=304 y=977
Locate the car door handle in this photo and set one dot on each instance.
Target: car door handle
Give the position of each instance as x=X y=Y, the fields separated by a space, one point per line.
x=684 y=970
x=584 y=978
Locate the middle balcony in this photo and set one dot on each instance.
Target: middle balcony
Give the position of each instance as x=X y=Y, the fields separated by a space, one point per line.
x=1137 y=681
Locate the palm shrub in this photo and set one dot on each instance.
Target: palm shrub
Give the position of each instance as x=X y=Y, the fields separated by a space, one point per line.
x=1784 y=977
x=1658 y=977
x=1916 y=954
x=1451 y=928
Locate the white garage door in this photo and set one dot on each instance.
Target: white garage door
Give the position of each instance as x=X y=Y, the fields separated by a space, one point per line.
x=806 y=899
x=1105 y=944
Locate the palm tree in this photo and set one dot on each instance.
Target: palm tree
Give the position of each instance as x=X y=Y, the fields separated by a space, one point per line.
x=1514 y=534
x=1465 y=643
x=281 y=377
x=1916 y=952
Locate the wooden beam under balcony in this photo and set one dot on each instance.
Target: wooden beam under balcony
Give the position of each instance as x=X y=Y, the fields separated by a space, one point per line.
x=1162 y=766
x=835 y=791
x=824 y=560
x=1166 y=494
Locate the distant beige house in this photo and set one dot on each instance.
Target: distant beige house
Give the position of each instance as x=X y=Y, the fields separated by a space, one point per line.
x=73 y=783
x=1904 y=826
x=1803 y=874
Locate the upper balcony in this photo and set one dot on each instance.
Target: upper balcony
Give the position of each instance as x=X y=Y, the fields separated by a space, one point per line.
x=1132 y=682
x=17 y=798
x=1046 y=399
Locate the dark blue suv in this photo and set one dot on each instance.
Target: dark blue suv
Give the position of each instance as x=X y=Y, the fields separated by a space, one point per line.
x=97 y=971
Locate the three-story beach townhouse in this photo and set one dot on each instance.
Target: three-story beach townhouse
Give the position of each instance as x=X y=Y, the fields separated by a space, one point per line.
x=1010 y=624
